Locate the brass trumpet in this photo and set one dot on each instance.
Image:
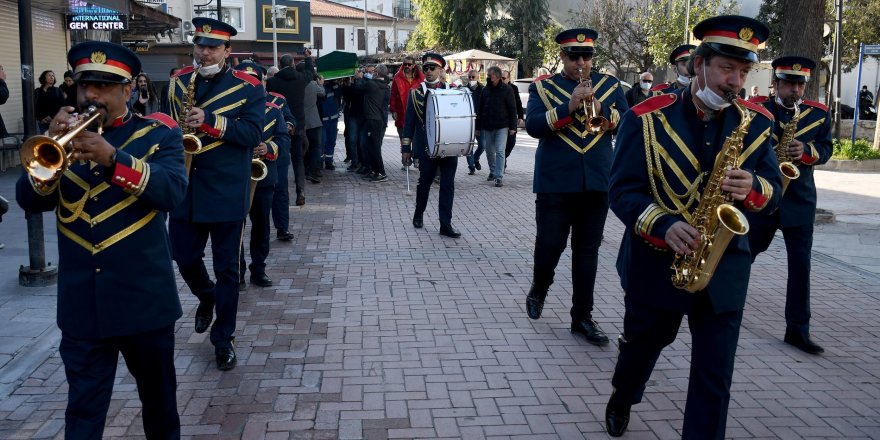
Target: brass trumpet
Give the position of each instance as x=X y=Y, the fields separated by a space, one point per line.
x=596 y=123
x=46 y=158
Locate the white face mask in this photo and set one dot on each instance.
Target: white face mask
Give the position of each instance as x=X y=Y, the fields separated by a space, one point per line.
x=472 y=83
x=684 y=79
x=211 y=70
x=780 y=102
x=644 y=85
x=709 y=97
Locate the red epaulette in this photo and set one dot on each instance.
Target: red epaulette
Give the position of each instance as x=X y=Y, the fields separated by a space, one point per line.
x=278 y=95
x=184 y=71
x=273 y=105
x=756 y=107
x=166 y=120
x=759 y=99
x=816 y=104
x=240 y=74
x=660 y=87
x=654 y=103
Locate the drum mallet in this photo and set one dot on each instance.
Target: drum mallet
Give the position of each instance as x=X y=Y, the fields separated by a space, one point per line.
x=408 y=192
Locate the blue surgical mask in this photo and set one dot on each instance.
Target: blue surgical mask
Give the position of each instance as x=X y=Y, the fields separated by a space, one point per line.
x=684 y=79
x=711 y=99
x=644 y=85
x=368 y=75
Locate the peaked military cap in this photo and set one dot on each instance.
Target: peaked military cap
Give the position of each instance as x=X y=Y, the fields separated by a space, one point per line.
x=795 y=69
x=251 y=68
x=682 y=52
x=433 y=58
x=101 y=61
x=577 y=40
x=210 y=32
x=733 y=35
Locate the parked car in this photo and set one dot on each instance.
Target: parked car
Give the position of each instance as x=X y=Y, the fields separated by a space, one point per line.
x=522 y=85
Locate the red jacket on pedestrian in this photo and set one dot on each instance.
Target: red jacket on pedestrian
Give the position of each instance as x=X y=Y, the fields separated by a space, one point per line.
x=400 y=87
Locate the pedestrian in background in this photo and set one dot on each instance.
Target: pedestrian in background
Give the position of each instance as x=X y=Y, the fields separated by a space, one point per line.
x=48 y=99
x=496 y=120
x=68 y=88
x=144 y=100
x=638 y=94
x=520 y=116
x=374 y=85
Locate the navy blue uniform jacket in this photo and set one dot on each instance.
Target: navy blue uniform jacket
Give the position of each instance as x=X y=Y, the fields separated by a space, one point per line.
x=114 y=272
x=798 y=206
x=685 y=147
x=219 y=178
x=568 y=158
x=277 y=140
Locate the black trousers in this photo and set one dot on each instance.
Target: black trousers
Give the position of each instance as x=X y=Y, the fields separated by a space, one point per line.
x=297 y=161
x=188 y=241
x=799 y=247
x=647 y=330
x=259 y=241
x=427 y=171
x=583 y=214
x=281 y=194
x=90 y=367
x=314 y=151
x=377 y=132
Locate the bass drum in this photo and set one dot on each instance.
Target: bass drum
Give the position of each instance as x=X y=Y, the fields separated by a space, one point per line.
x=449 y=123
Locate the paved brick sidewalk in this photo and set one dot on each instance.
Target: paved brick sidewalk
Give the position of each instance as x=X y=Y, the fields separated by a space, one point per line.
x=377 y=330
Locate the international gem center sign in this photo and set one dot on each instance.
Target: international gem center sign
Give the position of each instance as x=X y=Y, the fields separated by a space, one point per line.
x=96 y=18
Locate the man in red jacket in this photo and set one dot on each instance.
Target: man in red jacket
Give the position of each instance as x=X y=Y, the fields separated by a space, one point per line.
x=407 y=77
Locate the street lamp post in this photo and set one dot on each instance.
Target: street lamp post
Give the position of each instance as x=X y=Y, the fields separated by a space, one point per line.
x=366 y=34
x=274 y=35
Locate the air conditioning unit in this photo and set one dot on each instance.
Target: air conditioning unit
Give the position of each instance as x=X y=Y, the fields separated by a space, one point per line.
x=188 y=26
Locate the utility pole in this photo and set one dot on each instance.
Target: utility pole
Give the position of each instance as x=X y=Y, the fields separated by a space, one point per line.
x=687 y=19
x=366 y=34
x=274 y=35
x=838 y=6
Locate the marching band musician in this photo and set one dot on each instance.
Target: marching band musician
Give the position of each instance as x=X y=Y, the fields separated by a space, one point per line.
x=116 y=287
x=275 y=140
x=679 y=59
x=571 y=174
x=227 y=112
x=797 y=212
x=670 y=148
x=281 y=198
x=415 y=141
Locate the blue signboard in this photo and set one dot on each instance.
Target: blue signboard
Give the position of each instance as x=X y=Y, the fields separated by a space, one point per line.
x=872 y=49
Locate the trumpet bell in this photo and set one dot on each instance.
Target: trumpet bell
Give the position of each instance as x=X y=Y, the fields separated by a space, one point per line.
x=44 y=158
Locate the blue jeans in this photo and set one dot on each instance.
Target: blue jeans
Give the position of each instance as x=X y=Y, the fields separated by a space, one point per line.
x=495 y=141
x=355 y=140
x=474 y=157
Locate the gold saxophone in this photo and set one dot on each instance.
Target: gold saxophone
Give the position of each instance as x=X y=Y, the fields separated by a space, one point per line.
x=715 y=218
x=191 y=143
x=789 y=170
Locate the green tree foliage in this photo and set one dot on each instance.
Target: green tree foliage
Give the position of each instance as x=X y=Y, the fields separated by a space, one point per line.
x=622 y=46
x=665 y=22
x=518 y=33
x=548 y=47
x=450 y=25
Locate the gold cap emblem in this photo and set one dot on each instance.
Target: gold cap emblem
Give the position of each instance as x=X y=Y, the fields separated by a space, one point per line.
x=98 y=57
x=796 y=67
x=206 y=28
x=581 y=38
x=746 y=33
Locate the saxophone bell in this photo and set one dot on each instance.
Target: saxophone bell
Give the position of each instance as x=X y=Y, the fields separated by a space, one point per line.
x=788 y=169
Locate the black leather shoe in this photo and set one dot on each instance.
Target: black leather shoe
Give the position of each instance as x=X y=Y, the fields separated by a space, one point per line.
x=449 y=231
x=204 y=316
x=418 y=222
x=477 y=165
x=261 y=280
x=535 y=302
x=591 y=331
x=284 y=236
x=802 y=341
x=616 y=419
x=300 y=200
x=226 y=358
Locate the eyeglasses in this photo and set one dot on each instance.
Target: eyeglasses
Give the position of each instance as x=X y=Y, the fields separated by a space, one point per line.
x=407 y=64
x=429 y=68
x=649 y=81
x=472 y=77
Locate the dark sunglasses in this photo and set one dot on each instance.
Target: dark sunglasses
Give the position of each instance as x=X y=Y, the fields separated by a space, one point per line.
x=429 y=68
x=647 y=81
x=576 y=56
x=472 y=77
x=407 y=64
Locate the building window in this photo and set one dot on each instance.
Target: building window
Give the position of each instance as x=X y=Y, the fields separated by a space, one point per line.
x=234 y=16
x=317 y=38
x=340 y=39
x=362 y=41
x=383 y=46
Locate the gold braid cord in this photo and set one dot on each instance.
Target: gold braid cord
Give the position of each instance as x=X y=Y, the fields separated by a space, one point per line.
x=655 y=171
